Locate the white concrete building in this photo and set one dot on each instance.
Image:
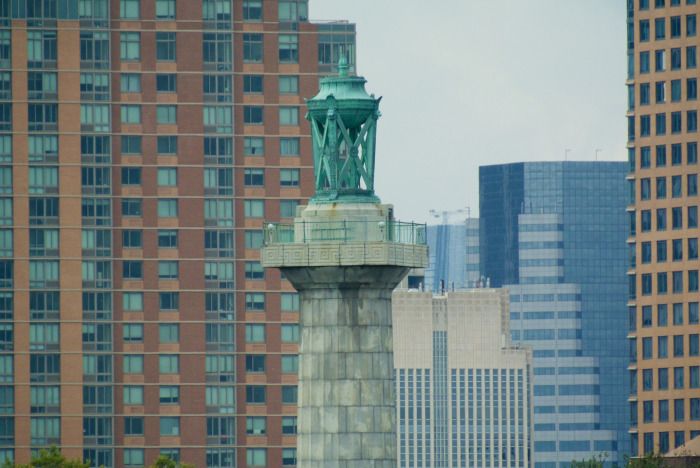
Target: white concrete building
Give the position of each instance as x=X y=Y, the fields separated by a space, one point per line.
x=463 y=391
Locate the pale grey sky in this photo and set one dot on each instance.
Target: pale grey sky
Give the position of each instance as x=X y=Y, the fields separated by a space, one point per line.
x=474 y=82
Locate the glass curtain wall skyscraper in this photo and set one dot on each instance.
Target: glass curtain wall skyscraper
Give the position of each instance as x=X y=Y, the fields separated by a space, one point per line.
x=554 y=234
x=142 y=143
x=662 y=83
x=453 y=256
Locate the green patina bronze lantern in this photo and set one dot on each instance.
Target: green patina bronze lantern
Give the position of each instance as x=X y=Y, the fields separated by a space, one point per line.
x=343 y=121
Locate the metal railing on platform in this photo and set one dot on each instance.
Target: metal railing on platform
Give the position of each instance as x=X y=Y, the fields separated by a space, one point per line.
x=304 y=232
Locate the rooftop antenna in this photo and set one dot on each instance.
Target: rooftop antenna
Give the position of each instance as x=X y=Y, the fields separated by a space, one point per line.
x=597 y=151
x=566 y=153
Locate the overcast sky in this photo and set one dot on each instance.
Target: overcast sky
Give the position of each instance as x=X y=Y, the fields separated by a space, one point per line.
x=474 y=82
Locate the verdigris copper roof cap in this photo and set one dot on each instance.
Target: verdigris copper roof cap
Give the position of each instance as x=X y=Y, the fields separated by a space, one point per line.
x=346 y=94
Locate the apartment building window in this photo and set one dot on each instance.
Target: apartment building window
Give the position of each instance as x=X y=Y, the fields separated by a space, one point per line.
x=45 y=431
x=133 y=363
x=252 y=10
x=290 y=333
x=5 y=116
x=166 y=114
x=133 y=456
x=167 y=177
x=256 y=425
x=131 y=144
x=216 y=10
x=289 y=457
x=676 y=122
x=166 y=46
x=94 y=49
x=43 y=399
x=691 y=25
x=43 y=180
x=167 y=208
x=133 y=332
x=290 y=364
x=288 y=48
x=254 y=208
x=675 y=27
x=289 y=115
x=644 y=63
x=167 y=269
x=255 y=301
x=131 y=175
x=169 y=364
x=218 y=119
x=131 y=114
x=253 y=84
x=218 y=181
x=132 y=207
x=692 y=121
x=289 y=177
x=132 y=269
x=255 y=394
x=167 y=239
x=43 y=117
x=289 y=146
x=676 y=59
x=218 y=212
x=166 y=82
x=289 y=84
x=678 y=377
x=645 y=125
x=253 y=239
x=256 y=457
x=691 y=57
x=253 y=146
x=5 y=48
x=662 y=347
x=288 y=208
x=166 y=144
x=255 y=333
x=130 y=83
x=253 y=115
x=43 y=85
x=252 y=47
x=289 y=394
x=218 y=150
x=169 y=395
x=133 y=395
x=41 y=49
x=254 y=177
x=255 y=363
x=129 y=9
x=217 y=52
x=169 y=332
x=660 y=60
x=132 y=301
x=169 y=426
x=254 y=271
x=130 y=45
x=660 y=124
x=217 y=88
x=169 y=300
x=659 y=28
x=165 y=9
x=293 y=10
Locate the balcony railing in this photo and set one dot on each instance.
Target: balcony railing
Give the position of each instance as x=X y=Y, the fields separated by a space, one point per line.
x=346 y=231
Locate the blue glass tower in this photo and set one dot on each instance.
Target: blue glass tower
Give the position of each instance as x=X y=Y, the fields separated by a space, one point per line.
x=555 y=234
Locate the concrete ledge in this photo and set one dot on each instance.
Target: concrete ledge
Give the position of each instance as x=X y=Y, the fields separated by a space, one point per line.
x=344 y=254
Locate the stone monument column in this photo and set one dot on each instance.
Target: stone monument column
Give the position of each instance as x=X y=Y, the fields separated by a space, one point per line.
x=345 y=253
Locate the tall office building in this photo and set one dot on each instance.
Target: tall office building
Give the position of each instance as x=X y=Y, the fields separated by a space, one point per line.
x=453 y=261
x=142 y=143
x=554 y=235
x=463 y=391
x=663 y=177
